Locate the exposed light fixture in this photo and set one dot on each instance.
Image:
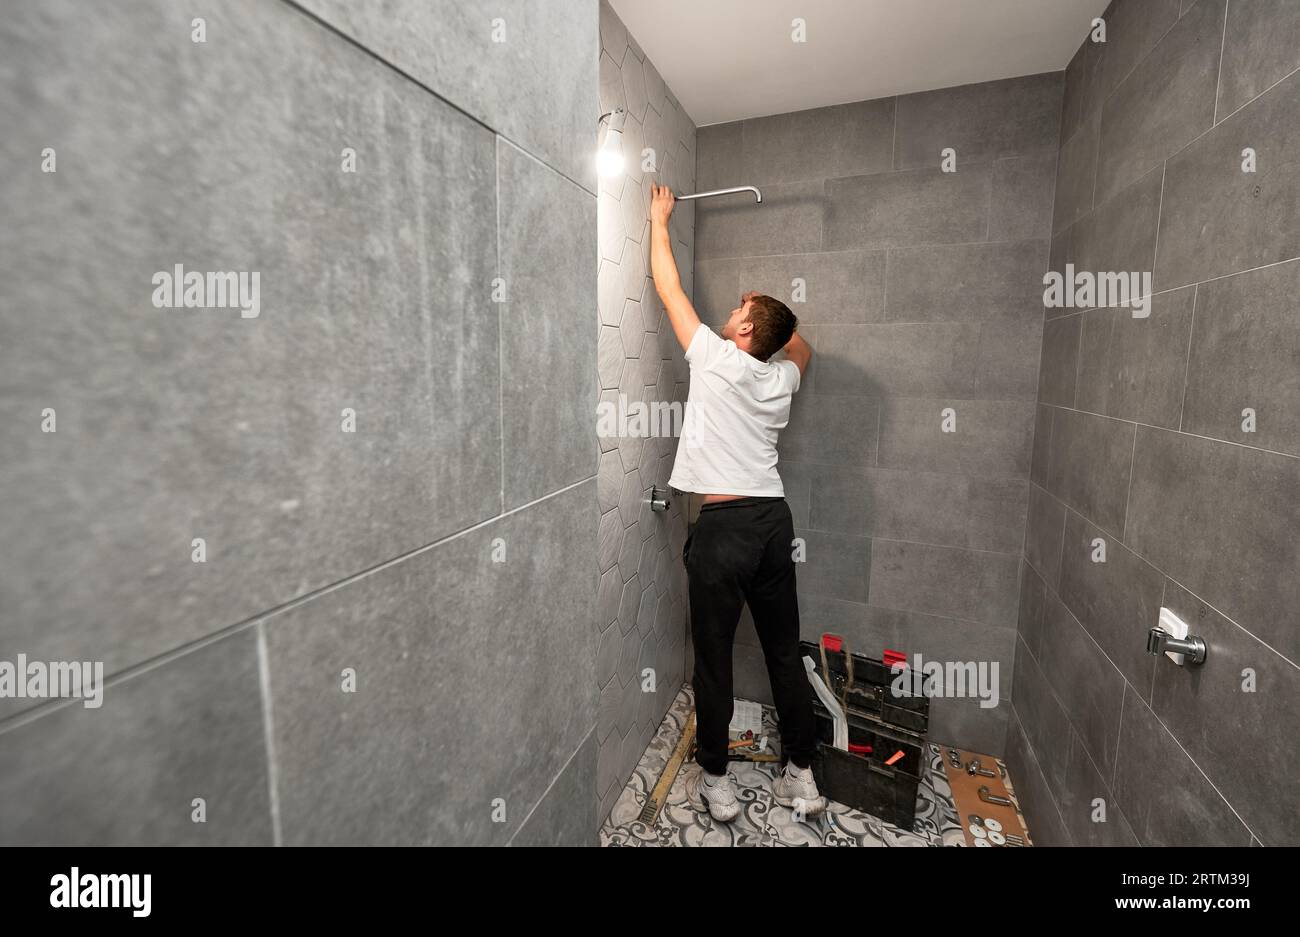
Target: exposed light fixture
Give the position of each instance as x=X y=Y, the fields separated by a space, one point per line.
x=609 y=156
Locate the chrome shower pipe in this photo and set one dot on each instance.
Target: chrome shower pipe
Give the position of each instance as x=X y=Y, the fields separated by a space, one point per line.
x=758 y=196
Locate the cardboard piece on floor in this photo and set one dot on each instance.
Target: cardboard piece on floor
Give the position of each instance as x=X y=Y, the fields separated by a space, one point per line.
x=966 y=798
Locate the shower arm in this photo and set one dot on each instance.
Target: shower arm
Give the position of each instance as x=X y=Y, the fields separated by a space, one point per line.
x=758 y=196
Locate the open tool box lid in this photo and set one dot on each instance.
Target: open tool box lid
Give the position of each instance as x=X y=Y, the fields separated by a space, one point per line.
x=871 y=687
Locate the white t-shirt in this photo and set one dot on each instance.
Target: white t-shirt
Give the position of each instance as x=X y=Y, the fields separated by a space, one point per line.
x=735 y=411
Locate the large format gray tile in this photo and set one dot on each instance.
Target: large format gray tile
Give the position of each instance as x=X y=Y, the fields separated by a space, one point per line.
x=566 y=814
x=176 y=424
x=912 y=633
x=967 y=282
x=1116 y=599
x=1088 y=809
x=1083 y=92
x=1243 y=355
x=984 y=121
x=1165 y=101
x=1021 y=205
x=127 y=774
x=1034 y=793
x=947 y=581
x=1261 y=46
x=896 y=209
x=992 y=437
x=1133 y=27
x=966 y=724
x=1086 y=682
x=832 y=430
x=1230 y=727
x=789 y=221
x=1044 y=532
x=1119 y=235
x=548 y=237
x=718 y=156
x=1091 y=460
x=1076 y=174
x=1059 y=369
x=347 y=761
x=1032 y=614
x=1044 y=721
x=1006 y=365
x=1164 y=796
x=896 y=359
x=1132 y=368
x=1215 y=219
x=536 y=82
x=830 y=287
x=1042 y=450
x=820 y=143
x=717 y=289
x=945 y=509
x=837 y=566
x=1222 y=519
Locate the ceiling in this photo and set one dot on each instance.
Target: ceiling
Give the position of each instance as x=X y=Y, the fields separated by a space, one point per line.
x=729 y=59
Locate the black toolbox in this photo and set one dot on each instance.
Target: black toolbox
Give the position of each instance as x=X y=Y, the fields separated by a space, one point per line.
x=887 y=711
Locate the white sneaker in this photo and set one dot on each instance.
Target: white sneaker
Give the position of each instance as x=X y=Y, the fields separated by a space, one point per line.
x=713 y=794
x=795 y=788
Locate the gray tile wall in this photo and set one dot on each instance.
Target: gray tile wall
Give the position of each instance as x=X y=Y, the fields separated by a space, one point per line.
x=445 y=551
x=1139 y=442
x=642 y=596
x=922 y=292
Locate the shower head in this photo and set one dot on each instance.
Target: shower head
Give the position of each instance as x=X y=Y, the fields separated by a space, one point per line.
x=758 y=196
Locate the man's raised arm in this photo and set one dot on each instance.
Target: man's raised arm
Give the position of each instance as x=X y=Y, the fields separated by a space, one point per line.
x=668 y=283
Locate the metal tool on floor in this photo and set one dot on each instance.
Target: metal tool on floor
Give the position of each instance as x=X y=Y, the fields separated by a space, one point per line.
x=991 y=798
x=659 y=796
x=973 y=768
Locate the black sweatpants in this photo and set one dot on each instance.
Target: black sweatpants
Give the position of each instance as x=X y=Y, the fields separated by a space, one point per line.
x=737 y=552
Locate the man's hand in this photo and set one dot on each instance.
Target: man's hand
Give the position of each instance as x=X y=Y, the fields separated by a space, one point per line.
x=661 y=203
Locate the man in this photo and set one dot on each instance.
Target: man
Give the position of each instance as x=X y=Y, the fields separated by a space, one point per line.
x=739 y=551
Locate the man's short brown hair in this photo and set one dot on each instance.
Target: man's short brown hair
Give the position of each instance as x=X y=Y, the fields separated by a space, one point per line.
x=773 y=323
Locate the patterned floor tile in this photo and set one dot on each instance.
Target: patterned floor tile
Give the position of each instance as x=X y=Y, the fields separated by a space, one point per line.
x=762 y=822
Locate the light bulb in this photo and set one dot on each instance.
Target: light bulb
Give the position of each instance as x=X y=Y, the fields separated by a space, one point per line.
x=609 y=158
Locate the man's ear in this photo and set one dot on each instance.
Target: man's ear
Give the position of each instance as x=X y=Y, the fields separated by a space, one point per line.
x=745 y=328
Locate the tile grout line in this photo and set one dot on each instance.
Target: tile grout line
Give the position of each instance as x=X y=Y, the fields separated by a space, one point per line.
x=350 y=40
x=1196 y=595
x=1160 y=207
x=1114 y=764
x=1041 y=773
x=1187 y=361
x=1128 y=495
x=173 y=654
x=501 y=373
x=1165 y=429
x=268 y=729
x=549 y=787
x=1154 y=715
x=1218 y=78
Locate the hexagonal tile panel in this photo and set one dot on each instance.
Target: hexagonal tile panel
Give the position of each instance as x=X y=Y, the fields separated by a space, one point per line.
x=607 y=656
x=635 y=205
x=609 y=292
x=645 y=617
x=609 y=481
x=630 y=497
x=609 y=357
x=607 y=597
x=629 y=603
x=610 y=230
x=609 y=539
x=634 y=87
x=629 y=328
